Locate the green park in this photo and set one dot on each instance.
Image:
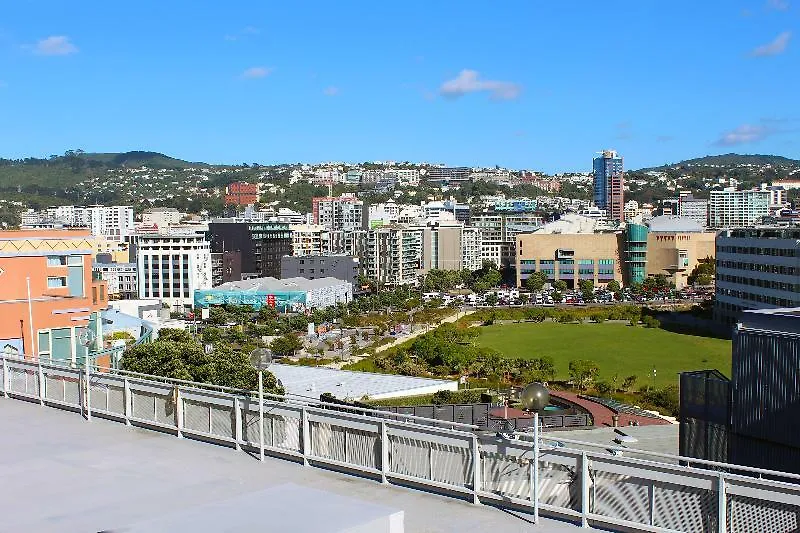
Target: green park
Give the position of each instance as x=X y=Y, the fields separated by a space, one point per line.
x=617 y=348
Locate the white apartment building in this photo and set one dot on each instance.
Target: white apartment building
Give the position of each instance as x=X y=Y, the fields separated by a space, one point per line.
x=114 y=221
x=383 y=214
x=499 y=234
x=449 y=245
x=730 y=208
x=757 y=268
x=163 y=217
x=337 y=213
x=694 y=208
x=406 y=176
x=309 y=239
x=172 y=267
x=122 y=279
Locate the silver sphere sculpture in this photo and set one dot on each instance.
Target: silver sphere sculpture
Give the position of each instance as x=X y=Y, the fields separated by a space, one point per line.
x=534 y=397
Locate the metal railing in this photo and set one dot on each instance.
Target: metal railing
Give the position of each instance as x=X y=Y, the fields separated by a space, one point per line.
x=592 y=484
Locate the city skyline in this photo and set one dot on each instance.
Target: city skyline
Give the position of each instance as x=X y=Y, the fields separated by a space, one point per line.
x=522 y=87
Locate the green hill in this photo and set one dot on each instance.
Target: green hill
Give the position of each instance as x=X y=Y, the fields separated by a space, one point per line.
x=732 y=160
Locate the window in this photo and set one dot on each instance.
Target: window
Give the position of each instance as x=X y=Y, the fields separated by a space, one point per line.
x=56 y=260
x=55 y=283
x=75 y=260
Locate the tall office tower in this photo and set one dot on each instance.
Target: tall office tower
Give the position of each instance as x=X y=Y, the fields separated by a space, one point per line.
x=609 y=184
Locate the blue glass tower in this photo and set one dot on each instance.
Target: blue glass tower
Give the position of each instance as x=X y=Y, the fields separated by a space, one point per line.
x=607 y=165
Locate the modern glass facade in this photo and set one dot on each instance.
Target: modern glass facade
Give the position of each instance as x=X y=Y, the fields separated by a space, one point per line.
x=635 y=253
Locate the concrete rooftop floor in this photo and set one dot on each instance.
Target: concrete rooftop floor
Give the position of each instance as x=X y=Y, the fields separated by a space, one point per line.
x=60 y=473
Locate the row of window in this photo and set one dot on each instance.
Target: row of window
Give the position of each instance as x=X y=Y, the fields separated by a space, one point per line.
x=64 y=260
x=754 y=250
x=757 y=267
x=757 y=297
x=763 y=283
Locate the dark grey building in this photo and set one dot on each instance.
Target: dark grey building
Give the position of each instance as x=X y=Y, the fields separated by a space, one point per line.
x=342 y=267
x=751 y=419
x=260 y=245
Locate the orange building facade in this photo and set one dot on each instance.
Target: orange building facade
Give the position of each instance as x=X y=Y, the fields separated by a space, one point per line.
x=48 y=296
x=241 y=194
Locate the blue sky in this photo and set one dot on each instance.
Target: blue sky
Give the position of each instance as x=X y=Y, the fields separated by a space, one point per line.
x=529 y=84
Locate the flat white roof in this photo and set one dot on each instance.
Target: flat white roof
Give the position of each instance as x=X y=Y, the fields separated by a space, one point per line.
x=312 y=381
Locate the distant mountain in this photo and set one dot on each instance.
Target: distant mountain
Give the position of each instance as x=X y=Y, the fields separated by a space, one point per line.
x=732 y=160
x=139 y=159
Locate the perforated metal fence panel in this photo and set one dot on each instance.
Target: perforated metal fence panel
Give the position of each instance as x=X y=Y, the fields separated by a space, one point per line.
x=749 y=514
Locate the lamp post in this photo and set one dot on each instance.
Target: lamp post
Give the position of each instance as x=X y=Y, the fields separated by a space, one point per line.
x=654 y=377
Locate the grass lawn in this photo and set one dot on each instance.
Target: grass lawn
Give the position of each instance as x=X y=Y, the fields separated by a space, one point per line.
x=616 y=348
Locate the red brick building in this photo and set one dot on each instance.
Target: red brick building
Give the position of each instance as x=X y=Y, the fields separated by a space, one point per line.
x=240 y=193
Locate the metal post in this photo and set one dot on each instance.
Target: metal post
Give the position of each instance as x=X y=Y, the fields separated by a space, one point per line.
x=88 y=389
x=535 y=469
x=584 y=490
x=722 y=504
x=237 y=416
x=651 y=493
x=260 y=415
x=34 y=351
x=305 y=437
x=477 y=465
x=179 y=411
x=384 y=452
x=126 y=400
x=5 y=378
x=42 y=391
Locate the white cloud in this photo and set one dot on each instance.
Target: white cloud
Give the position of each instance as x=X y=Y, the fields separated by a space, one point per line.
x=244 y=32
x=746 y=133
x=331 y=91
x=254 y=73
x=468 y=81
x=55 y=45
x=778 y=5
x=774 y=47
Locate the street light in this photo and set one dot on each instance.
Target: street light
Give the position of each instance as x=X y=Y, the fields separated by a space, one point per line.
x=654 y=377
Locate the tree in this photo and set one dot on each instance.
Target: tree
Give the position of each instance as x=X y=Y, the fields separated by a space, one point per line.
x=491 y=299
x=586 y=287
x=175 y=354
x=628 y=383
x=703 y=273
x=286 y=345
x=613 y=286
x=535 y=282
x=557 y=296
x=583 y=372
x=524 y=298
x=560 y=285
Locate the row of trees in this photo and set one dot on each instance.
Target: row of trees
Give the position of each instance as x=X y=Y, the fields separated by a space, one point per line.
x=481 y=280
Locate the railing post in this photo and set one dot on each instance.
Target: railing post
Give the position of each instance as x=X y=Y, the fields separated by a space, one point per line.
x=237 y=417
x=722 y=504
x=535 y=469
x=584 y=490
x=384 y=452
x=305 y=437
x=42 y=392
x=88 y=389
x=477 y=465
x=260 y=415
x=126 y=400
x=651 y=494
x=179 y=411
x=5 y=378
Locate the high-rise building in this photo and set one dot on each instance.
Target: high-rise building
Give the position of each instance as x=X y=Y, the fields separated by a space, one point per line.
x=171 y=267
x=609 y=184
x=450 y=245
x=309 y=239
x=757 y=268
x=499 y=231
x=261 y=245
x=48 y=295
x=695 y=209
x=394 y=255
x=335 y=213
x=730 y=208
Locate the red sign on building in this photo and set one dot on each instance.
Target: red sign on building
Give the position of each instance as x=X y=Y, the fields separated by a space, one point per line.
x=271 y=300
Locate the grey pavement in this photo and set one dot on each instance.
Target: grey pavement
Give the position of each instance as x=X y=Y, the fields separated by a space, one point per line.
x=61 y=473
